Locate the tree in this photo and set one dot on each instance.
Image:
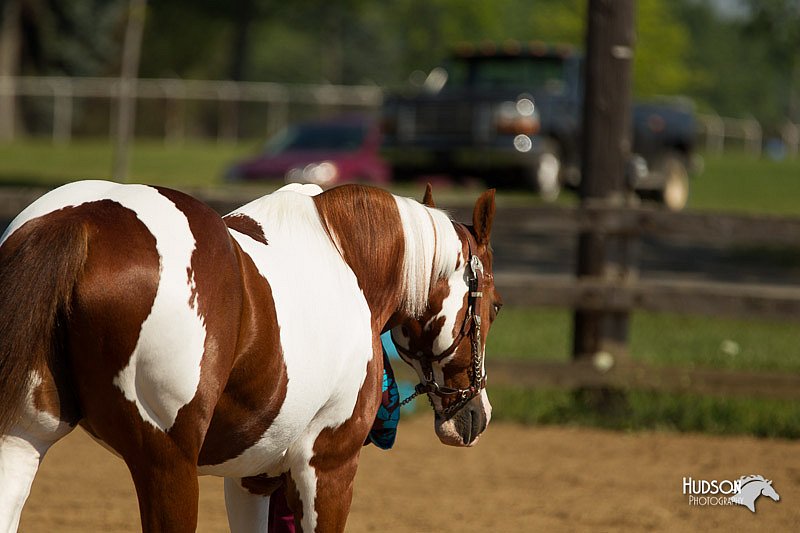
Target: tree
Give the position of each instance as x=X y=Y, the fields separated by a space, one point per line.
x=777 y=23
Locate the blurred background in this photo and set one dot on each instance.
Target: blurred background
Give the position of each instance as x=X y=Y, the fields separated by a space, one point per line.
x=225 y=99
x=700 y=283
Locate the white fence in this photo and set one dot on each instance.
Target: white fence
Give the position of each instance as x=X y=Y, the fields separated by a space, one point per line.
x=718 y=131
x=277 y=105
x=226 y=97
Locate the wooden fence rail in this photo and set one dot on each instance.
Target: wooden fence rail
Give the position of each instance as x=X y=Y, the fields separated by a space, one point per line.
x=627 y=293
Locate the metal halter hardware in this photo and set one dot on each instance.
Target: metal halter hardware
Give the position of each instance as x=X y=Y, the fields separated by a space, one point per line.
x=472 y=324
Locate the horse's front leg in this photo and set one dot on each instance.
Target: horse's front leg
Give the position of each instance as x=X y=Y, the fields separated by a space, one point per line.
x=323 y=467
x=320 y=484
x=320 y=493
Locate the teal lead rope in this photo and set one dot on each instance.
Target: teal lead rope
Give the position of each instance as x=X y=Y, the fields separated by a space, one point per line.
x=384 y=429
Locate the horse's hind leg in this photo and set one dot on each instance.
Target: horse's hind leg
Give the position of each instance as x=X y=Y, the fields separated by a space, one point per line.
x=20 y=456
x=248 y=509
x=21 y=452
x=167 y=489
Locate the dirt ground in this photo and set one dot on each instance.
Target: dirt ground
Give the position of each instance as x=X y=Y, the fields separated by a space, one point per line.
x=516 y=479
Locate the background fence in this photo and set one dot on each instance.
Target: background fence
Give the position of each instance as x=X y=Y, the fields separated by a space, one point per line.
x=630 y=292
x=175 y=109
x=714 y=297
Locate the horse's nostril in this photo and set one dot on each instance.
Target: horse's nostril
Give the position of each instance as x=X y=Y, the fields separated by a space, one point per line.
x=476 y=423
x=469 y=423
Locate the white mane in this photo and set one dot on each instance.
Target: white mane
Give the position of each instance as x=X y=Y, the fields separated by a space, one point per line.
x=753 y=477
x=432 y=248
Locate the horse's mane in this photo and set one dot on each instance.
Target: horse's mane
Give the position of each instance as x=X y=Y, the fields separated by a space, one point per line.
x=754 y=477
x=429 y=243
x=431 y=251
x=425 y=245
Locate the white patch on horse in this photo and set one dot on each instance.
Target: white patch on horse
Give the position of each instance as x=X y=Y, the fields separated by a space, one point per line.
x=309 y=189
x=451 y=306
x=69 y=195
x=21 y=452
x=325 y=336
x=163 y=372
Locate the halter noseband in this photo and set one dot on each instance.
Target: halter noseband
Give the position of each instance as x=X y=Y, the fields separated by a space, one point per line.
x=472 y=324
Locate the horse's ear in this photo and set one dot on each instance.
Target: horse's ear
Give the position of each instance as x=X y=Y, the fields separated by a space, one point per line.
x=428 y=198
x=483 y=216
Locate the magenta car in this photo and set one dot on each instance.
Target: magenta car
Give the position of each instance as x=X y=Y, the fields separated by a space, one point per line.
x=325 y=152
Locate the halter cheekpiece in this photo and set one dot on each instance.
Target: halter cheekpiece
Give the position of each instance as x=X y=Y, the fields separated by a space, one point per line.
x=472 y=328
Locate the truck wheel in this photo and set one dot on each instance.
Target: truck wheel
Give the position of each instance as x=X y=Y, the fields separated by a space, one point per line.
x=545 y=177
x=674 y=193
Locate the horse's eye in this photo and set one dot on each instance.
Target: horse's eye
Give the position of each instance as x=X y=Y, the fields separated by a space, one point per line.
x=497 y=308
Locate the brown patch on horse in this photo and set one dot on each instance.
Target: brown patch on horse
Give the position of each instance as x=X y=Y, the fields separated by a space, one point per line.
x=246 y=226
x=363 y=222
x=262 y=485
x=293 y=499
x=55 y=395
x=113 y=297
x=258 y=381
x=39 y=264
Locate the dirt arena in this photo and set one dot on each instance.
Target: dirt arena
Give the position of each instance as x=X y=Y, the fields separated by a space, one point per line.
x=516 y=479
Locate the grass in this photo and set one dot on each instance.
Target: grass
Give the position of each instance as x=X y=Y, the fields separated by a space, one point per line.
x=743 y=183
x=657 y=338
x=39 y=162
x=646 y=410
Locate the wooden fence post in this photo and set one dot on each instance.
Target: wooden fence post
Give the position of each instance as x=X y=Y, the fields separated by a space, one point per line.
x=599 y=335
x=126 y=102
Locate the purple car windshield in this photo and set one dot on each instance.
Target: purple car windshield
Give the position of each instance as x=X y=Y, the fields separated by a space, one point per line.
x=318 y=137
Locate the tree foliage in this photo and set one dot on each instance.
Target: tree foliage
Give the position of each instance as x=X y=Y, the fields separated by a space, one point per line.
x=737 y=62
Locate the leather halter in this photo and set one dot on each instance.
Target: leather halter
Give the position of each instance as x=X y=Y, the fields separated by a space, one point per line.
x=471 y=327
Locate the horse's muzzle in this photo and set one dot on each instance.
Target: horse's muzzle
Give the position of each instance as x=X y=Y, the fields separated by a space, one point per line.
x=464 y=427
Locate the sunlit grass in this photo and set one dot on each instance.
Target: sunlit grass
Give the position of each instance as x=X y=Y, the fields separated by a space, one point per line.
x=658 y=338
x=741 y=182
x=40 y=162
x=637 y=410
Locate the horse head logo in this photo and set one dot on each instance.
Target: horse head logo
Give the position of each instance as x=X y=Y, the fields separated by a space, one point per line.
x=751 y=487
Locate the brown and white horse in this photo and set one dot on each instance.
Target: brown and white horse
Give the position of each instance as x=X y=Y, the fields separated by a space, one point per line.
x=245 y=347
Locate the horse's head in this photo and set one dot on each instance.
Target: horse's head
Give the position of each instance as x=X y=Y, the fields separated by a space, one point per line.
x=768 y=490
x=445 y=344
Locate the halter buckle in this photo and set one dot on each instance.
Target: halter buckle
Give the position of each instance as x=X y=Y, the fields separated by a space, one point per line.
x=475 y=264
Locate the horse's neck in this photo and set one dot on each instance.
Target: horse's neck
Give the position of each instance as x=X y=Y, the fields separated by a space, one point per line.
x=361 y=225
x=371 y=242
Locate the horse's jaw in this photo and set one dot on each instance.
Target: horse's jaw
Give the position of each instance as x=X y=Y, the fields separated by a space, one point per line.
x=465 y=427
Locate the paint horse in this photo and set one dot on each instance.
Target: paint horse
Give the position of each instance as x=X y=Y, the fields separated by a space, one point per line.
x=245 y=347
